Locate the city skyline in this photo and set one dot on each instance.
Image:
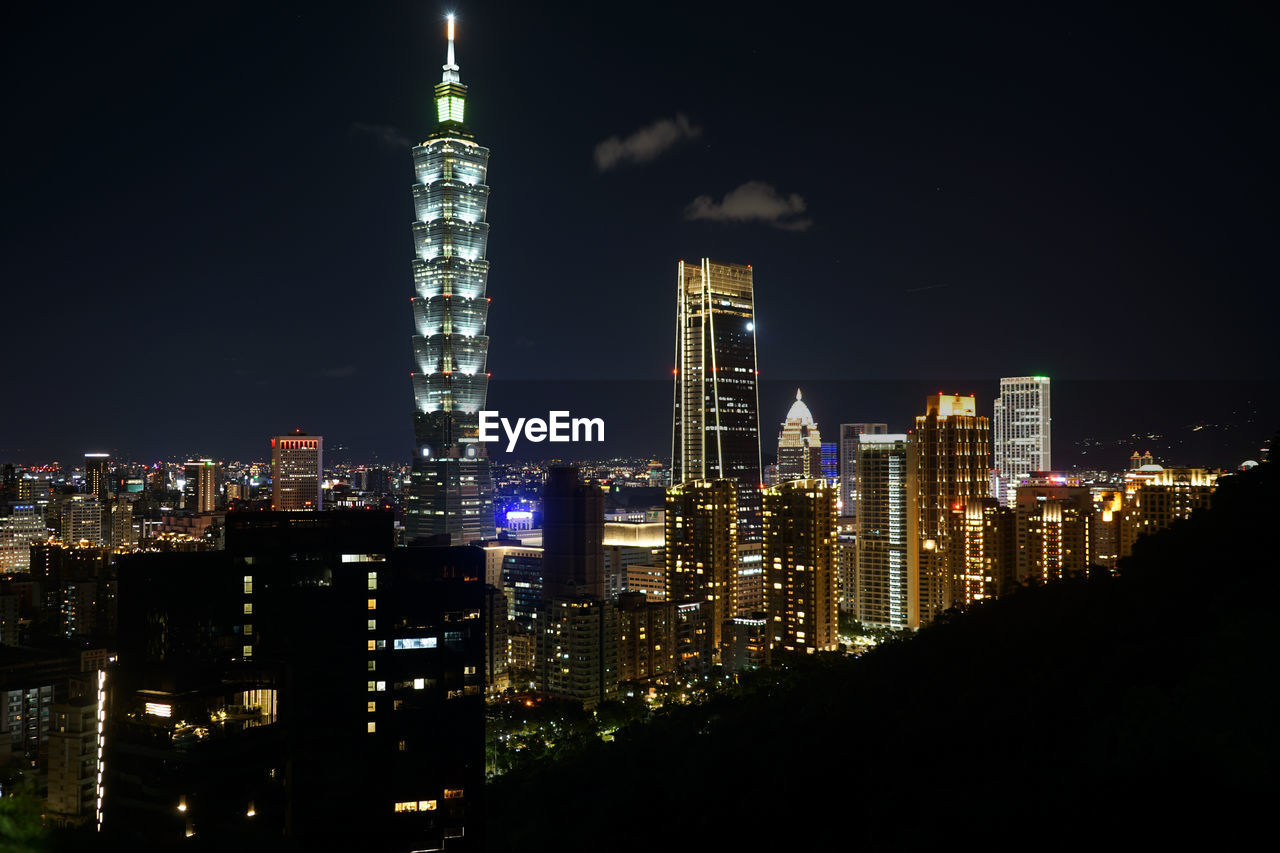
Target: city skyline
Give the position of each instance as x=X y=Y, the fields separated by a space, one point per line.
x=1020 y=188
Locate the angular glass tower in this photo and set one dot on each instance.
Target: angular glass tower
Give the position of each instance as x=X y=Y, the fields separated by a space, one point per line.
x=451 y=488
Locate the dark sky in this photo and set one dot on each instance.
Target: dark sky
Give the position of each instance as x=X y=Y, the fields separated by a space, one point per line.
x=207 y=206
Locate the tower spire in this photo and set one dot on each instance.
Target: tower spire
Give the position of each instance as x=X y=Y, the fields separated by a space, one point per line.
x=451 y=66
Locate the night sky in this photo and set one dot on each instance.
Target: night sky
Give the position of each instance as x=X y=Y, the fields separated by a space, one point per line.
x=207 y=211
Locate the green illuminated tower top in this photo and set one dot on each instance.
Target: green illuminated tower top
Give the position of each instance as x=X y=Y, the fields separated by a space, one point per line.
x=451 y=96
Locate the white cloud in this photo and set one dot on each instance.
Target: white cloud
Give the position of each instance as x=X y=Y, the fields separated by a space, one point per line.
x=645 y=144
x=754 y=201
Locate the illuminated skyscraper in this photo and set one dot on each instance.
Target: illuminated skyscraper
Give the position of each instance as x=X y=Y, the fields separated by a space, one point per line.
x=799 y=445
x=800 y=565
x=97 y=468
x=297 y=463
x=1054 y=514
x=203 y=486
x=702 y=549
x=451 y=487
x=1019 y=433
x=716 y=426
x=947 y=464
x=880 y=589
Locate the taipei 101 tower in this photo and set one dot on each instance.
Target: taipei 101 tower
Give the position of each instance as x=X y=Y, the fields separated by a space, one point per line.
x=451 y=487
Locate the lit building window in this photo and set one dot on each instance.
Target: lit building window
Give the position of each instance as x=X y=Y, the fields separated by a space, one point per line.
x=371 y=727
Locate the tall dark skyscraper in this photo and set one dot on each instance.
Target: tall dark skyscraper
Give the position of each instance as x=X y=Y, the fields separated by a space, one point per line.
x=451 y=488
x=572 y=536
x=716 y=430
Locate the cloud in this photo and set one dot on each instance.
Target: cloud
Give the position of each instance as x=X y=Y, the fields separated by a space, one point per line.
x=753 y=201
x=387 y=136
x=645 y=144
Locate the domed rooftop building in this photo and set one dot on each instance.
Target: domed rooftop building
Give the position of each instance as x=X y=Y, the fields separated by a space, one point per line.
x=799 y=444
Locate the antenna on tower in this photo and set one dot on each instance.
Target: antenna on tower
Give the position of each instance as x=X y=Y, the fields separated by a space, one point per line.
x=451 y=66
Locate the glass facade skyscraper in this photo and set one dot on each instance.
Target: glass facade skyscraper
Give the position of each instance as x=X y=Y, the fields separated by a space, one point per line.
x=451 y=487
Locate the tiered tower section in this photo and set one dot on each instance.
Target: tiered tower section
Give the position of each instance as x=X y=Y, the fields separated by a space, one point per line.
x=451 y=489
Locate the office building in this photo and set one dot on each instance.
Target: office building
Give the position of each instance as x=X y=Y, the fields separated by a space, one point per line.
x=297 y=470
x=800 y=565
x=21 y=525
x=848 y=472
x=799 y=445
x=451 y=486
x=716 y=423
x=948 y=456
x=702 y=550
x=572 y=536
x=880 y=587
x=1020 y=434
x=81 y=519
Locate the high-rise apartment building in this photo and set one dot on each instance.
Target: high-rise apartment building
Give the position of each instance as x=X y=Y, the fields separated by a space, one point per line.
x=702 y=549
x=297 y=469
x=986 y=545
x=203 y=489
x=947 y=465
x=1158 y=496
x=1054 y=516
x=799 y=445
x=800 y=565
x=848 y=471
x=1019 y=434
x=880 y=588
x=97 y=475
x=451 y=486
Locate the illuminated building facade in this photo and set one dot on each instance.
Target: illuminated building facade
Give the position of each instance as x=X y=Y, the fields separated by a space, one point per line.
x=1160 y=496
x=702 y=549
x=799 y=445
x=849 y=445
x=800 y=565
x=1054 y=515
x=578 y=650
x=880 y=589
x=297 y=466
x=646 y=639
x=97 y=475
x=1020 y=433
x=948 y=456
x=716 y=425
x=987 y=548
x=20 y=525
x=81 y=519
x=203 y=489
x=451 y=485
